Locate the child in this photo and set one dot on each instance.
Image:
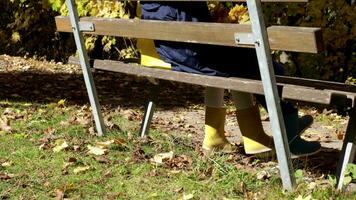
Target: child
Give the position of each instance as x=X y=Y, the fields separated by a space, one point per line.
x=222 y=61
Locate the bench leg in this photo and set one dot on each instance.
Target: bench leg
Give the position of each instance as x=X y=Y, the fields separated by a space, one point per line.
x=147 y=118
x=84 y=63
x=347 y=154
x=260 y=39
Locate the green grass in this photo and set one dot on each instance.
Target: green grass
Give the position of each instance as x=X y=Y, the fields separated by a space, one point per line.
x=126 y=171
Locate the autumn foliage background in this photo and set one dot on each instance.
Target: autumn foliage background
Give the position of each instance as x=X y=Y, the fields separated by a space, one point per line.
x=27 y=28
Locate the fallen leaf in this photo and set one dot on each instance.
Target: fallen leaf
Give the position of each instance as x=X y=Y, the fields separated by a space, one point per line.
x=96 y=150
x=102 y=159
x=120 y=141
x=5 y=125
x=92 y=131
x=81 y=169
x=104 y=144
x=300 y=197
x=76 y=148
x=60 y=145
x=187 y=196
x=5 y=176
x=312 y=185
x=340 y=135
x=160 y=158
x=263 y=175
x=6 y=164
x=49 y=131
x=71 y=161
x=44 y=146
x=59 y=194
x=61 y=102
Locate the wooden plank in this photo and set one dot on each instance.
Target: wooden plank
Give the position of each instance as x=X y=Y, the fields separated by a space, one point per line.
x=293 y=88
x=293 y=92
x=318 y=84
x=281 y=37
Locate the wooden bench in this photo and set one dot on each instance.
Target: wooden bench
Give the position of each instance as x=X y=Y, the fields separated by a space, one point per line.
x=285 y=38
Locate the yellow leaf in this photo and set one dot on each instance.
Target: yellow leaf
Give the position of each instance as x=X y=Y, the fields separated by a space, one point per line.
x=96 y=150
x=60 y=145
x=81 y=169
x=15 y=37
x=61 y=102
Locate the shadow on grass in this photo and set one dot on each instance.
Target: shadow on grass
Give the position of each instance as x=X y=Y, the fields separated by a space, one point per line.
x=113 y=89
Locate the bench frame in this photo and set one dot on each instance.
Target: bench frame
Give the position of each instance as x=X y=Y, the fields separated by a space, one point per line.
x=259 y=39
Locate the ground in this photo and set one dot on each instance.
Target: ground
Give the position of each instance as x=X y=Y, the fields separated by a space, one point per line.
x=33 y=90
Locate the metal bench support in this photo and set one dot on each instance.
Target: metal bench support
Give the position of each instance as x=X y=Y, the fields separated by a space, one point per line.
x=271 y=93
x=151 y=106
x=347 y=154
x=84 y=63
x=147 y=118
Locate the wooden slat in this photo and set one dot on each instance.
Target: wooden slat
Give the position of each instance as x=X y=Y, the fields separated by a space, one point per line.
x=293 y=92
x=318 y=84
x=298 y=39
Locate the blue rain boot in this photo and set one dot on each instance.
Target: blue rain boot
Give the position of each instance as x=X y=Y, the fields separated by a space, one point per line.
x=298 y=146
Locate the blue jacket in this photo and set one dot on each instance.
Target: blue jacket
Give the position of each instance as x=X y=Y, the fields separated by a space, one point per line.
x=199 y=58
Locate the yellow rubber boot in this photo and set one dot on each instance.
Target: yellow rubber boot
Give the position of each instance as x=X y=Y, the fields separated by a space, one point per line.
x=255 y=140
x=214 y=138
x=149 y=55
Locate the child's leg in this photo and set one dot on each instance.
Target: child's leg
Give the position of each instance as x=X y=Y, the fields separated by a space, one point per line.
x=214 y=137
x=248 y=116
x=287 y=108
x=294 y=125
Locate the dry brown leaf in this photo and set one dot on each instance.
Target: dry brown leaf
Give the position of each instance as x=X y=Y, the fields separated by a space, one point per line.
x=44 y=146
x=71 y=161
x=5 y=125
x=59 y=194
x=104 y=144
x=120 y=141
x=50 y=131
x=263 y=175
x=6 y=176
x=92 y=131
x=160 y=158
x=102 y=159
x=340 y=134
x=131 y=115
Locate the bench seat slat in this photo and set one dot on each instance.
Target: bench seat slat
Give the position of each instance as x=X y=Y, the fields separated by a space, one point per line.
x=317 y=84
x=293 y=92
x=281 y=37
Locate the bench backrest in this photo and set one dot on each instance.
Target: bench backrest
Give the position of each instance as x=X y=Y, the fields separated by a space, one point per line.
x=297 y=39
